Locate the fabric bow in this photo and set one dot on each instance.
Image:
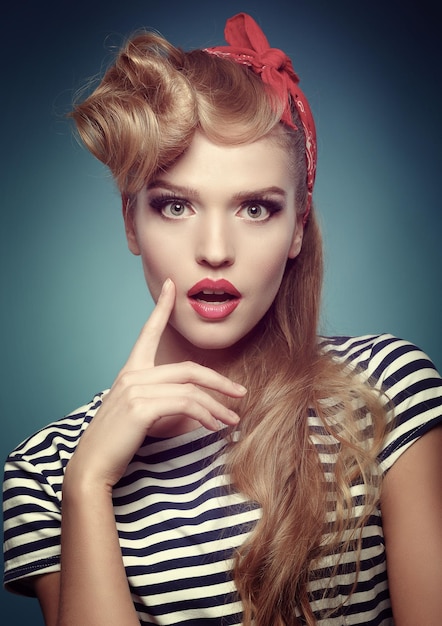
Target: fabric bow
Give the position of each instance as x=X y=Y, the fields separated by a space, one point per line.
x=249 y=46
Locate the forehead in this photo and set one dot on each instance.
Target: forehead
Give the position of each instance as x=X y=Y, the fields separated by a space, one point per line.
x=266 y=161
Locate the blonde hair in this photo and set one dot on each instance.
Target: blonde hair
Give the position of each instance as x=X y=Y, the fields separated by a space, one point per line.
x=139 y=120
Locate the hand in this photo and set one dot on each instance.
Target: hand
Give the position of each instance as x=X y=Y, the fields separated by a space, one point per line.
x=141 y=395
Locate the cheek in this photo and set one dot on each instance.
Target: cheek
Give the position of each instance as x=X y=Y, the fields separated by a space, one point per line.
x=270 y=267
x=267 y=279
x=156 y=268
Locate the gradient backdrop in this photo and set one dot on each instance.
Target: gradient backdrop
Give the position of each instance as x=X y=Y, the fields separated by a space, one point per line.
x=73 y=298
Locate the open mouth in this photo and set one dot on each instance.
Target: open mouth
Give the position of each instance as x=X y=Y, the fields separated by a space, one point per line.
x=214 y=299
x=213 y=296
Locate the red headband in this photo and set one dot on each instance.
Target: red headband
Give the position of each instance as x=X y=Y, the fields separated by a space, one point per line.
x=249 y=46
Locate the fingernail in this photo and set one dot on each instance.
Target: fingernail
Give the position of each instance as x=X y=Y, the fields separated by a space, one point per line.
x=166 y=285
x=240 y=387
x=234 y=417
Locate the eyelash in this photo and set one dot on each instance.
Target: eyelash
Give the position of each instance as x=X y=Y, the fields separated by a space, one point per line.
x=272 y=207
x=159 y=204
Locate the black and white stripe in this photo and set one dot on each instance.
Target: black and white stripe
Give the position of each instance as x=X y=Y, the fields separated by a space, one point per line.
x=179 y=522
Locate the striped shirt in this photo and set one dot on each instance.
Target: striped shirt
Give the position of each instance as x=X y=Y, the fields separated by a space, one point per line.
x=179 y=523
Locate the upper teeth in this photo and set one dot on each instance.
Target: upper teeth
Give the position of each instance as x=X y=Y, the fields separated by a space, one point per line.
x=210 y=292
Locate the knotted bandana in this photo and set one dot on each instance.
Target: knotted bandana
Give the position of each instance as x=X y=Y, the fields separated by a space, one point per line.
x=249 y=46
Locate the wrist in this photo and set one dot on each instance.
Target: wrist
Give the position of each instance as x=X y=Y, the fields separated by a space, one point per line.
x=81 y=484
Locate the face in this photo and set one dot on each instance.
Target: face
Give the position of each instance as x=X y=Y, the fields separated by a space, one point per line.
x=221 y=223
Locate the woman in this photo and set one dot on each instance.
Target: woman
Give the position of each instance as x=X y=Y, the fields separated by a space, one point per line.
x=239 y=470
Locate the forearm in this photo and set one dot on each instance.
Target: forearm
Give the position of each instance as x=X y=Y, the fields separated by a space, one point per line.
x=94 y=588
x=412 y=514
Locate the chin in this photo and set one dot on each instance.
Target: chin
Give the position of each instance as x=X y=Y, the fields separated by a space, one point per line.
x=211 y=339
x=211 y=344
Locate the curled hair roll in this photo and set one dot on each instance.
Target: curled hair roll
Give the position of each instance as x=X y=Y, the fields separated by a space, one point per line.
x=149 y=104
x=131 y=122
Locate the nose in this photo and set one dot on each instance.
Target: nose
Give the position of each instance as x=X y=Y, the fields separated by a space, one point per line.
x=215 y=245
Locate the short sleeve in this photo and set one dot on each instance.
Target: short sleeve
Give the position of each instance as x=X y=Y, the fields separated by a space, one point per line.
x=32 y=522
x=413 y=387
x=32 y=489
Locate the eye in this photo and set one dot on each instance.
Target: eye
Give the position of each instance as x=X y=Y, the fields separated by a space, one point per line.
x=259 y=210
x=255 y=211
x=174 y=209
x=171 y=207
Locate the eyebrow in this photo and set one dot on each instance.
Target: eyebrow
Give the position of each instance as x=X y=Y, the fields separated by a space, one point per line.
x=185 y=191
x=190 y=192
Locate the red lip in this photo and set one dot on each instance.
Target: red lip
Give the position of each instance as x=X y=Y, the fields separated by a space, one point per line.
x=212 y=309
x=214 y=285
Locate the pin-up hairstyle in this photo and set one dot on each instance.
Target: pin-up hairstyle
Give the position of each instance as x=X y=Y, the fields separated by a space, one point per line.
x=140 y=120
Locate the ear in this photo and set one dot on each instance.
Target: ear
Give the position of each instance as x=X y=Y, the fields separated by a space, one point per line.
x=298 y=234
x=129 y=224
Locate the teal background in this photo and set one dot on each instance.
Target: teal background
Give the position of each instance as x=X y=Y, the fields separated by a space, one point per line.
x=73 y=298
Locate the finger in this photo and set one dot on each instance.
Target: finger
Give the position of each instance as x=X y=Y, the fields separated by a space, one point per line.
x=181 y=373
x=184 y=400
x=149 y=405
x=145 y=348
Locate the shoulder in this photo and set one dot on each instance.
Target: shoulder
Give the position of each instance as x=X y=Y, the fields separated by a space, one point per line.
x=56 y=440
x=406 y=378
x=382 y=359
x=32 y=486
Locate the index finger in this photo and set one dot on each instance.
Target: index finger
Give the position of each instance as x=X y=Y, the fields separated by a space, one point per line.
x=146 y=346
